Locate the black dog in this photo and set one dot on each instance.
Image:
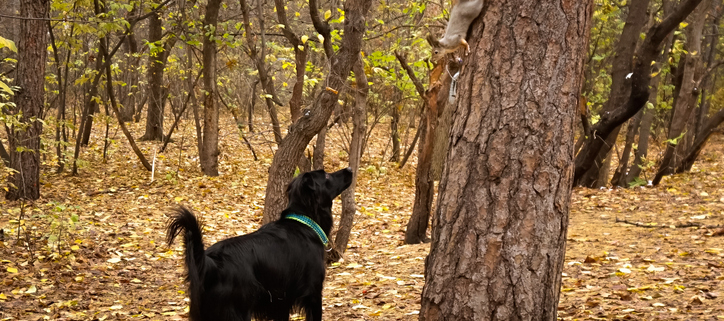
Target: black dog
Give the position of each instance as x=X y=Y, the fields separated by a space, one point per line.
x=268 y=273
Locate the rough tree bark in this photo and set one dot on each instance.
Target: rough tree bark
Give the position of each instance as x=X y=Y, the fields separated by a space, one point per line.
x=210 y=148
x=341 y=238
x=688 y=93
x=640 y=78
x=499 y=233
x=301 y=132
x=620 y=86
x=24 y=141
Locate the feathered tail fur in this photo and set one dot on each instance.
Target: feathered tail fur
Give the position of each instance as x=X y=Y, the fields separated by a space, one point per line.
x=184 y=220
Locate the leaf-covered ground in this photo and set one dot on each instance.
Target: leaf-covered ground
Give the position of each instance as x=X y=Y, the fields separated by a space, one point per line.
x=97 y=248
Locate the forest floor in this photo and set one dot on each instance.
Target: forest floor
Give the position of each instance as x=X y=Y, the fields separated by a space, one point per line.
x=97 y=242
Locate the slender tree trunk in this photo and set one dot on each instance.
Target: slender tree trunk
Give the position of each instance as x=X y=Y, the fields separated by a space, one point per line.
x=349 y=208
x=251 y=106
x=91 y=106
x=619 y=177
x=688 y=94
x=109 y=89
x=435 y=98
x=300 y=60
x=499 y=234
x=194 y=104
x=258 y=57
x=210 y=147
x=620 y=87
x=701 y=139
x=649 y=112
x=130 y=90
x=640 y=79
x=643 y=145
x=30 y=77
x=395 y=130
x=61 y=136
x=319 y=146
x=707 y=85
x=156 y=63
x=301 y=132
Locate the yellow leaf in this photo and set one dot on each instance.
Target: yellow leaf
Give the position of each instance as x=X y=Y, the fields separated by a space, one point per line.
x=327 y=14
x=305 y=38
x=178 y=198
x=32 y=289
x=3 y=297
x=74 y=248
x=12 y=270
x=321 y=38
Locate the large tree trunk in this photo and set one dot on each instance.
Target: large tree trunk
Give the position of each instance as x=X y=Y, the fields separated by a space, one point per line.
x=346 y=220
x=620 y=86
x=688 y=93
x=499 y=233
x=640 y=78
x=30 y=77
x=156 y=63
x=301 y=132
x=210 y=147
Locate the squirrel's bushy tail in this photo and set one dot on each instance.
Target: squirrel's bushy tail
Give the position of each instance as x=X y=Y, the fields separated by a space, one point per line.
x=184 y=220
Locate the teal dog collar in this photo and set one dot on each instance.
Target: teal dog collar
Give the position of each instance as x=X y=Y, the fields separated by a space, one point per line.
x=312 y=224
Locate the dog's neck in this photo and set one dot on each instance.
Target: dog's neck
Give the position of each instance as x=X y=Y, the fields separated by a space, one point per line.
x=319 y=218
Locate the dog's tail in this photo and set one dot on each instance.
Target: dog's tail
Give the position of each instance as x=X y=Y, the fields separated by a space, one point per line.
x=184 y=219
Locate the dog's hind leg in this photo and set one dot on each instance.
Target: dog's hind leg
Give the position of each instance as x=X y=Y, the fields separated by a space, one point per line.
x=313 y=308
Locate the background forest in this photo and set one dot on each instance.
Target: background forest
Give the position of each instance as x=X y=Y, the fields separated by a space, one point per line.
x=215 y=105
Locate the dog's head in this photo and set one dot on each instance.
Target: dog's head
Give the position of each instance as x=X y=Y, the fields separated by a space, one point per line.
x=311 y=194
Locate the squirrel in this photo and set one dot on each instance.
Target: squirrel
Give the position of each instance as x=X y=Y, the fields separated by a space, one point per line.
x=461 y=16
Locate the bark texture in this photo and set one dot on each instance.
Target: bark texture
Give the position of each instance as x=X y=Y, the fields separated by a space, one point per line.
x=25 y=142
x=310 y=123
x=499 y=233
